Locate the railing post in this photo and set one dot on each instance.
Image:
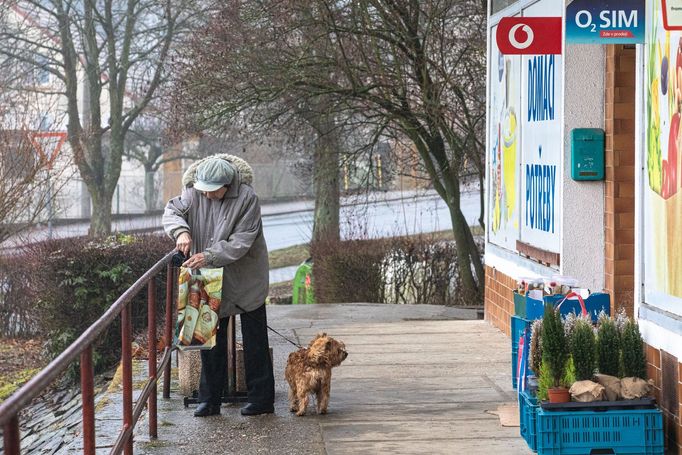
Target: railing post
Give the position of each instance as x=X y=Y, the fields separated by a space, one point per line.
x=151 y=357
x=88 y=398
x=11 y=437
x=127 y=364
x=168 y=333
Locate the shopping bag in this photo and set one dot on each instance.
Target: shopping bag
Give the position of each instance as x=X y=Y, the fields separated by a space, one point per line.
x=199 y=295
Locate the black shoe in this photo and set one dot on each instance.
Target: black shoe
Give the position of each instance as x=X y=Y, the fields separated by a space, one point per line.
x=254 y=409
x=207 y=409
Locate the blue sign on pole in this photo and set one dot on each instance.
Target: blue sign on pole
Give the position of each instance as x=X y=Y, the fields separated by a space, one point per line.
x=605 y=22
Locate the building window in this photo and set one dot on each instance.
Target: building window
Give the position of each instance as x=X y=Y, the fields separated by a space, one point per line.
x=498 y=5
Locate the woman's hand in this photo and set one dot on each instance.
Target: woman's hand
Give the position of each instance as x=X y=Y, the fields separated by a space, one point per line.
x=184 y=243
x=197 y=261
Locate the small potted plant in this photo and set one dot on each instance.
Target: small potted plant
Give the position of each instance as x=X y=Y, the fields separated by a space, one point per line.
x=608 y=347
x=583 y=349
x=634 y=358
x=554 y=354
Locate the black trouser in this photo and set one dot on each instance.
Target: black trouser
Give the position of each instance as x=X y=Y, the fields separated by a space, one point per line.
x=260 y=381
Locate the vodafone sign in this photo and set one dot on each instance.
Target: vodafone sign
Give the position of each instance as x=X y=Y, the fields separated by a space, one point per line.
x=529 y=35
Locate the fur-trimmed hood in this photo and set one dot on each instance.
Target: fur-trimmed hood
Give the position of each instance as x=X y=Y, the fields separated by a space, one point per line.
x=243 y=168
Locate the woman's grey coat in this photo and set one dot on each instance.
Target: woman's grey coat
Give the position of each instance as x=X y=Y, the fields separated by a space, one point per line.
x=230 y=234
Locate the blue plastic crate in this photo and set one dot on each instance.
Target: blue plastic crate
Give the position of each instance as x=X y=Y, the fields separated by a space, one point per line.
x=515 y=379
x=619 y=432
x=596 y=302
x=519 y=305
x=518 y=325
x=528 y=409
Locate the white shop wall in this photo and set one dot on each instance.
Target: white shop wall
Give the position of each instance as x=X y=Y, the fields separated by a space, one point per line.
x=533 y=104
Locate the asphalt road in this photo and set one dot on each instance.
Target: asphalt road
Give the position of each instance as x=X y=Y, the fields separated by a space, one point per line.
x=375 y=219
x=290 y=223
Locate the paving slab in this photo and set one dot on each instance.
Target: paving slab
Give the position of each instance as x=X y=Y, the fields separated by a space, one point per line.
x=418 y=379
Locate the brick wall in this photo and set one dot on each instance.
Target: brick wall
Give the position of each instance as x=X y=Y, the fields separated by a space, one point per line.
x=499 y=300
x=666 y=372
x=619 y=216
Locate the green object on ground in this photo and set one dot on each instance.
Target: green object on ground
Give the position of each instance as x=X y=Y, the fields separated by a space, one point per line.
x=303 y=284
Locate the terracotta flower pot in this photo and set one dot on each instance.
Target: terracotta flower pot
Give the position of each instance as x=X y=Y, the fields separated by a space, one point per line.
x=558 y=395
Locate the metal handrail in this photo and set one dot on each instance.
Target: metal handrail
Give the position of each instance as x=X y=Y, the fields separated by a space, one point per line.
x=10 y=408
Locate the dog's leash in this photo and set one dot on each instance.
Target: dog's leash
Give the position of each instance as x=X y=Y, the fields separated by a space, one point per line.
x=266 y=325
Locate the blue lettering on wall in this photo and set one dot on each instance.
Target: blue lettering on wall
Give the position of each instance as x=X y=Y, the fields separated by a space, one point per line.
x=541 y=88
x=540 y=200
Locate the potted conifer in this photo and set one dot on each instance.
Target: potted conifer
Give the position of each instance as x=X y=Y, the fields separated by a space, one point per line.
x=608 y=347
x=583 y=350
x=634 y=358
x=554 y=354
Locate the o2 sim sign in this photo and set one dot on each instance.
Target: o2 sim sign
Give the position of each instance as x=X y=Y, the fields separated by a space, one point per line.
x=529 y=35
x=605 y=21
x=615 y=23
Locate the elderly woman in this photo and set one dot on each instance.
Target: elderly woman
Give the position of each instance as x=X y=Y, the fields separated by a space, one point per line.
x=216 y=222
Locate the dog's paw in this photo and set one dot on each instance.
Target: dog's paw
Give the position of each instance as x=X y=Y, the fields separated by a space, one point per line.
x=300 y=413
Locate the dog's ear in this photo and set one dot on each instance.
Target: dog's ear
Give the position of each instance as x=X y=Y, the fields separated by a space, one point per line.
x=320 y=335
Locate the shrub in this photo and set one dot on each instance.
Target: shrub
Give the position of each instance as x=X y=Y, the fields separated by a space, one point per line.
x=419 y=270
x=608 y=347
x=349 y=271
x=634 y=358
x=413 y=270
x=74 y=281
x=554 y=347
x=17 y=314
x=583 y=349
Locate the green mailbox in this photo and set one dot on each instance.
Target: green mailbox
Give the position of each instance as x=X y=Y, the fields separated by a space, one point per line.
x=587 y=154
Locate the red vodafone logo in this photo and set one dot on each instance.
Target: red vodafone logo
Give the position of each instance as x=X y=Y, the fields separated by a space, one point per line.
x=529 y=35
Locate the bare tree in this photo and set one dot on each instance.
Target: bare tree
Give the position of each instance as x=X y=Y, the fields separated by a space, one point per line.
x=419 y=65
x=232 y=74
x=109 y=58
x=413 y=69
x=150 y=143
x=31 y=172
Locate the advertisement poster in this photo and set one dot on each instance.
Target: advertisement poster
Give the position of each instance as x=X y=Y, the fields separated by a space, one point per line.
x=662 y=194
x=542 y=152
x=525 y=130
x=605 y=22
x=541 y=122
x=505 y=147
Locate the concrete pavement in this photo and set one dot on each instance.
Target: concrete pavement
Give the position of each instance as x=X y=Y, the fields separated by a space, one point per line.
x=418 y=379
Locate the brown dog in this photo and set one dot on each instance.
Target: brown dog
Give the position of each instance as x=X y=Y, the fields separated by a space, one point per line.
x=309 y=370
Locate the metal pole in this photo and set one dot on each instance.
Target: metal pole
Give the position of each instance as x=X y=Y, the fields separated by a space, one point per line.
x=11 y=437
x=231 y=357
x=168 y=334
x=127 y=365
x=88 y=397
x=151 y=322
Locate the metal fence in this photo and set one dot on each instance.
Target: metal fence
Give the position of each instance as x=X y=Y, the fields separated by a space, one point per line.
x=82 y=348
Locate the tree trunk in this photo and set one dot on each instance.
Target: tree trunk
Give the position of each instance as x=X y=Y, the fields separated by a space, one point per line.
x=149 y=196
x=467 y=252
x=326 y=185
x=481 y=194
x=100 y=222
